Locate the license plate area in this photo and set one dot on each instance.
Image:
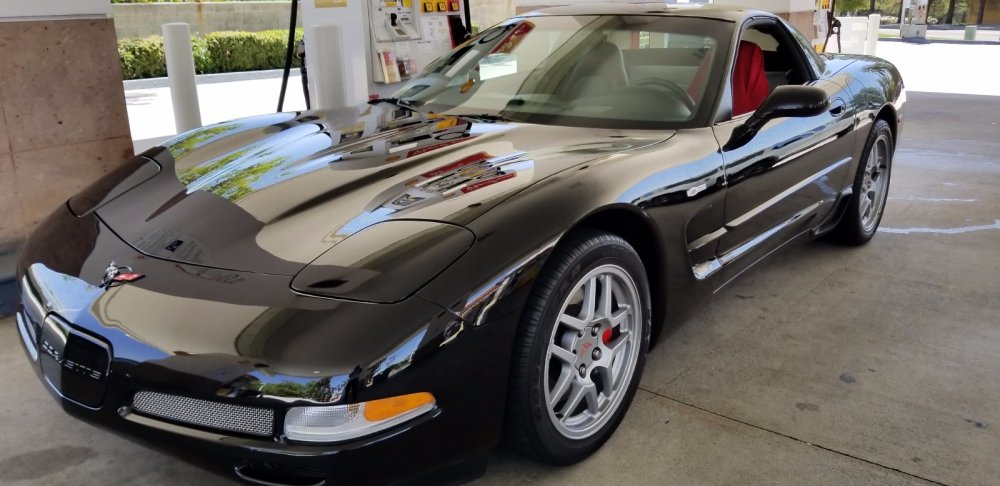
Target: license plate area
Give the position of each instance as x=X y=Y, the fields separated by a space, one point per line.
x=74 y=364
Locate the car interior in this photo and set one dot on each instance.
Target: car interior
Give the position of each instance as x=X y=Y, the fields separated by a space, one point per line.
x=765 y=60
x=612 y=72
x=648 y=74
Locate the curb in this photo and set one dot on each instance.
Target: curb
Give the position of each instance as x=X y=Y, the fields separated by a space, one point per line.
x=8 y=295
x=150 y=83
x=8 y=284
x=940 y=41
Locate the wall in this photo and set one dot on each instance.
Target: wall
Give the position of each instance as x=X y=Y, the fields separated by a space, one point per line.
x=145 y=19
x=803 y=21
x=991 y=15
x=62 y=108
x=29 y=9
x=523 y=6
x=486 y=13
x=798 y=13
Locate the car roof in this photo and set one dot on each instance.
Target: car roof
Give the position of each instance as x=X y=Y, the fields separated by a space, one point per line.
x=710 y=11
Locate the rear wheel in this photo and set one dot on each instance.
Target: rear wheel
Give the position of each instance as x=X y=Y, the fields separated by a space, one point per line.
x=580 y=349
x=871 y=188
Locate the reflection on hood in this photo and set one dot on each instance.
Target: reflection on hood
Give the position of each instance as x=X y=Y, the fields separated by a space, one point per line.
x=269 y=194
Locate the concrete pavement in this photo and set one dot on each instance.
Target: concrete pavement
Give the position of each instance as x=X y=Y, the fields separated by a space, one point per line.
x=982 y=33
x=221 y=97
x=833 y=365
x=945 y=68
x=824 y=365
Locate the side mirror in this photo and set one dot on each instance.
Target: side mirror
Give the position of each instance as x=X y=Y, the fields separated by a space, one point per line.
x=788 y=101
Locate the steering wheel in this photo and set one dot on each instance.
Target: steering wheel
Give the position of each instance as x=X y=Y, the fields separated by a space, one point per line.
x=670 y=86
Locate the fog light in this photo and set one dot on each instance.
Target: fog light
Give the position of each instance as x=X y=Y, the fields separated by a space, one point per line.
x=344 y=422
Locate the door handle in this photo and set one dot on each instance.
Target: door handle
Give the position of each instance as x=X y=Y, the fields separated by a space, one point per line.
x=837 y=107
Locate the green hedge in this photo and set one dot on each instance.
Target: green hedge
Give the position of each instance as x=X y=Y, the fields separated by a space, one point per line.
x=142 y=58
x=217 y=52
x=188 y=1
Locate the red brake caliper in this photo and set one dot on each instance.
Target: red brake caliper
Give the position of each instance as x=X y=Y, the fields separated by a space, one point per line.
x=606 y=336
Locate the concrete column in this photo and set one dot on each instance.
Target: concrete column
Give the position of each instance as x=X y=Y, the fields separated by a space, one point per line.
x=63 y=122
x=798 y=13
x=343 y=47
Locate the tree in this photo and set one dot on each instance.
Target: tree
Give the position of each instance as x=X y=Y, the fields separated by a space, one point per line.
x=180 y=147
x=232 y=175
x=850 y=6
x=888 y=7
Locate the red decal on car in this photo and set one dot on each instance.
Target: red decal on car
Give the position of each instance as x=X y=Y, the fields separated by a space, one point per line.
x=429 y=148
x=127 y=277
x=468 y=160
x=487 y=182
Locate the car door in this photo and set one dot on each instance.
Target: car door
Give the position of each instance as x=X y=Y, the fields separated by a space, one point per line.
x=786 y=179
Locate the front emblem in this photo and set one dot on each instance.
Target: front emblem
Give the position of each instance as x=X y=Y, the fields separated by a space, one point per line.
x=116 y=275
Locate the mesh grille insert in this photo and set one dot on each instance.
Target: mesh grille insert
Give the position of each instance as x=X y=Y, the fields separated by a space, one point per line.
x=216 y=415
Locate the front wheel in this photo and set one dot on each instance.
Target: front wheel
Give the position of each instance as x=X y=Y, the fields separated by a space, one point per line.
x=871 y=188
x=580 y=349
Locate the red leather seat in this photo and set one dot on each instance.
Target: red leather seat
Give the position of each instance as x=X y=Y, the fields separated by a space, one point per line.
x=750 y=85
x=697 y=85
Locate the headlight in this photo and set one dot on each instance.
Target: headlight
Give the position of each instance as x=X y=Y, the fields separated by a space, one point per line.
x=344 y=422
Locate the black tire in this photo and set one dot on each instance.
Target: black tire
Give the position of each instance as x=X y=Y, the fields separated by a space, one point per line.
x=529 y=430
x=852 y=228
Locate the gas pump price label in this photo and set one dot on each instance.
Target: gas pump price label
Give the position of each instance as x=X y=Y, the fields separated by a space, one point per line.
x=435 y=28
x=331 y=3
x=440 y=6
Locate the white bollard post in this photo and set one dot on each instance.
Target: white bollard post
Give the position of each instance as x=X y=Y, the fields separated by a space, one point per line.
x=871 y=41
x=180 y=73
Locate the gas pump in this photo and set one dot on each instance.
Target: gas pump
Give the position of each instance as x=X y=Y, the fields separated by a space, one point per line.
x=832 y=27
x=821 y=24
x=914 y=20
x=356 y=49
x=406 y=35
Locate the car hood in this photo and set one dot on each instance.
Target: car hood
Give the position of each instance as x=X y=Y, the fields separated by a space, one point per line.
x=269 y=194
x=835 y=63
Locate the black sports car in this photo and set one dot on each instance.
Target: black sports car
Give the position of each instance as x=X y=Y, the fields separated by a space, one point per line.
x=385 y=292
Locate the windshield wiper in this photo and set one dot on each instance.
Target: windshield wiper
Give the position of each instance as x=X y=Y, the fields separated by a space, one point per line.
x=487 y=117
x=404 y=104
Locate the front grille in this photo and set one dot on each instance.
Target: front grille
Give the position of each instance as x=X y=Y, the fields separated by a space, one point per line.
x=205 y=413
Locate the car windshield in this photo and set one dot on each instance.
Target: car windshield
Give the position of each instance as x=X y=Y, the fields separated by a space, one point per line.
x=605 y=71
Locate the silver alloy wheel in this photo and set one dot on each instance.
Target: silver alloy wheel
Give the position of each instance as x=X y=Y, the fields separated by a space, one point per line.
x=593 y=351
x=875 y=184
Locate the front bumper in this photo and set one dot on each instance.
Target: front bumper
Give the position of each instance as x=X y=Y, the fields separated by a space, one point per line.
x=419 y=451
x=215 y=336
